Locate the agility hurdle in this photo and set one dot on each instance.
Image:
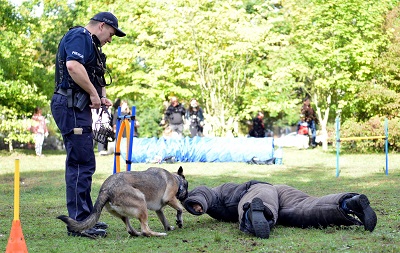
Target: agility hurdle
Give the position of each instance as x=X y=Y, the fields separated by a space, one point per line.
x=338 y=140
x=124 y=122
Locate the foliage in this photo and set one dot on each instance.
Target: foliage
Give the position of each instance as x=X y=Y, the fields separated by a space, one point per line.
x=17 y=98
x=237 y=58
x=388 y=63
x=148 y=116
x=373 y=127
x=207 y=49
x=338 y=42
x=19 y=70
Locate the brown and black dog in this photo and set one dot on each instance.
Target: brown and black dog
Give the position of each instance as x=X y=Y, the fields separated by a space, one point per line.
x=130 y=193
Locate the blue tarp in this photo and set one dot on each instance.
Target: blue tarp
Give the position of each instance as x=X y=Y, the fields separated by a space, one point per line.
x=200 y=149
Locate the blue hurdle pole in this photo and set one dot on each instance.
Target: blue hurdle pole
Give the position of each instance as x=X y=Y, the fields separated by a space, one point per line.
x=386 y=146
x=132 y=133
x=118 y=124
x=337 y=145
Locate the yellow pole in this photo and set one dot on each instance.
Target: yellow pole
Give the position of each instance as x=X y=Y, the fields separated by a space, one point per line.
x=362 y=138
x=16 y=242
x=118 y=147
x=16 y=190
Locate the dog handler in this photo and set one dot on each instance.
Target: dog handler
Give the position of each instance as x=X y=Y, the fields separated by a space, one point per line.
x=258 y=206
x=80 y=87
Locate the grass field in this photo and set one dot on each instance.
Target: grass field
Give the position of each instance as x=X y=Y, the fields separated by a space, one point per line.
x=313 y=171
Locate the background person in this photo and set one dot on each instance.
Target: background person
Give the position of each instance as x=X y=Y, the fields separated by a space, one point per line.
x=174 y=115
x=195 y=118
x=258 y=129
x=80 y=87
x=311 y=119
x=303 y=132
x=39 y=129
x=258 y=206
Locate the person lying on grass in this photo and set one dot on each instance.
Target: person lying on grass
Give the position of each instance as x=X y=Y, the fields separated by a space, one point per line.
x=258 y=206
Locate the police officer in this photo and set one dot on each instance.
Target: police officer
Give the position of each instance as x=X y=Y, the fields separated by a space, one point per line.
x=80 y=87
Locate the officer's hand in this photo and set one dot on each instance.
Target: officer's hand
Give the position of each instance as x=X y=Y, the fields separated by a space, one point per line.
x=105 y=101
x=96 y=103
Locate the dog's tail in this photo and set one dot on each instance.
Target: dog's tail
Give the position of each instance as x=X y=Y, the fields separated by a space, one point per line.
x=91 y=220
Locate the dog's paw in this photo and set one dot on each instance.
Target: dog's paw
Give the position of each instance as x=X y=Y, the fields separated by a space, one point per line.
x=179 y=223
x=170 y=228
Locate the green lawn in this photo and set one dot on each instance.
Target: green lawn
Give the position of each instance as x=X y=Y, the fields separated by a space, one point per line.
x=313 y=171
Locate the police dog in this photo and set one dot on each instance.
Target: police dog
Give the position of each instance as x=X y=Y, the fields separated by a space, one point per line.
x=130 y=193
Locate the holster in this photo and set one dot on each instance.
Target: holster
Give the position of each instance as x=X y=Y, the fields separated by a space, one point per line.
x=81 y=100
x=68 y=93
x=78 y=99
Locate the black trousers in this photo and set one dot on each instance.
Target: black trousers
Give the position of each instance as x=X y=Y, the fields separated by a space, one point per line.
x=80 y=163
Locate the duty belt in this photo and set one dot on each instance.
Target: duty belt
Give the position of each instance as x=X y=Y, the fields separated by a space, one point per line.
x=61 y=91
x=87 y=129
x=67 y=93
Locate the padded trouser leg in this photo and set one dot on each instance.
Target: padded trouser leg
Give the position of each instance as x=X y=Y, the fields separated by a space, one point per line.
x=301 y=210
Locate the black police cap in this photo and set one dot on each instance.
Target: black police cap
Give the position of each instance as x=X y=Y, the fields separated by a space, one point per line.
x=111 y=20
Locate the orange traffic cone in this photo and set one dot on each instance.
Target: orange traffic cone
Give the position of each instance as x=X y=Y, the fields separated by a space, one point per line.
x=16 y=241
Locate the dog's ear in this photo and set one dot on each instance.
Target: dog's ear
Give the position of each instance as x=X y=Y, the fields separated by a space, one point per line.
x=180 y=171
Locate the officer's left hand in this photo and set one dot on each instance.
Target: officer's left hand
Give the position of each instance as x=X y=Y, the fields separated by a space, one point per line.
x=95 y=102
x=105 y=101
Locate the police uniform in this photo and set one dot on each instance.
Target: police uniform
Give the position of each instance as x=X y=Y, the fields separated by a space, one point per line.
x=70 y=106
x=74 y=123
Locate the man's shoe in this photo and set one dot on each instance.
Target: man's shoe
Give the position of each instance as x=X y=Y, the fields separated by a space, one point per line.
x=258 y=220
x=101 y=225
x=90 y=233
x=359 y=205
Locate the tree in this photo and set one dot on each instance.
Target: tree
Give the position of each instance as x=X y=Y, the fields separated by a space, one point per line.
x=212 y=50
x=237 y=58
x=18 y=94
x=337 y=42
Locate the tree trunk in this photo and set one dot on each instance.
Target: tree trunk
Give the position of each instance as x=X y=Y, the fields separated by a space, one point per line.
x=323 y=120
x=10 y=146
